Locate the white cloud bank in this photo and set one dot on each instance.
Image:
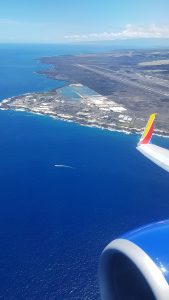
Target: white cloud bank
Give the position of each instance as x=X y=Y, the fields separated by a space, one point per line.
x=129 y=32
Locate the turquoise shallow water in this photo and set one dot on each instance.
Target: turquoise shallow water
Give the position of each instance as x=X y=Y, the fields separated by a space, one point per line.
x=56 y=221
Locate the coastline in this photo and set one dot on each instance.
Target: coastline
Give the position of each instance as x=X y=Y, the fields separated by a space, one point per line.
x=84 y=104
x=124 y=130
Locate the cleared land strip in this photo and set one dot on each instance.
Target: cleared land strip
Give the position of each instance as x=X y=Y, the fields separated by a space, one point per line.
x=148 y=79
x=109 y=74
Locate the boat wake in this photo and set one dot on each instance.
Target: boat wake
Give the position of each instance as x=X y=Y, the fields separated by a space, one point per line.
x=63 y=166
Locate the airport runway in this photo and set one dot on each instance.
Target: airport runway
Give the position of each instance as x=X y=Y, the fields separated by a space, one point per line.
x=111 y=75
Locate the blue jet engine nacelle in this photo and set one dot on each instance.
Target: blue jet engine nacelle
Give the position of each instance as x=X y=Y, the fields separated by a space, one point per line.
x=136 y=265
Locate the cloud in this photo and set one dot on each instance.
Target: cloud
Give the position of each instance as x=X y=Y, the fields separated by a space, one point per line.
x=129 y=32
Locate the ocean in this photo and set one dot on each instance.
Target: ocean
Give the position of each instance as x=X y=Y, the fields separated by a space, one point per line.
x=55 y=222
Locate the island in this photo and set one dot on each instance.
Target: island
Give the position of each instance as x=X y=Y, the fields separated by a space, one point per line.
x=115 y=91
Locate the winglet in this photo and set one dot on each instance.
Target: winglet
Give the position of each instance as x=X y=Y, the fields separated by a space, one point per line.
x=146 y=137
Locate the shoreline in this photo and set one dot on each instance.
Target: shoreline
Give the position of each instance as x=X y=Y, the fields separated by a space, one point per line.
x=123 y=131
x=119 y=106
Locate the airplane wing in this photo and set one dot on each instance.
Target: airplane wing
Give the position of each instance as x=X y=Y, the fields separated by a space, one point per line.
x=158 y=155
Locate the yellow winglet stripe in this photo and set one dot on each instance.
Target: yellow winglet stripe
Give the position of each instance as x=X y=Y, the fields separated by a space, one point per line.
x=149 y=124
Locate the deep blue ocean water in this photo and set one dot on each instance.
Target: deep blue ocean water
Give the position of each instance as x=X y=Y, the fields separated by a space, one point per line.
x=54 y=222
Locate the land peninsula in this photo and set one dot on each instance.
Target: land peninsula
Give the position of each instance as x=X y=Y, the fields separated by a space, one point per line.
x=115 y=91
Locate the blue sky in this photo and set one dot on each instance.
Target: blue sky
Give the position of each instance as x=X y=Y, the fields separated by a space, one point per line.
x=52 y=21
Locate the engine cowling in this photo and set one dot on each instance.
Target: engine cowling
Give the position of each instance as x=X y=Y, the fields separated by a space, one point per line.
x=136 y=265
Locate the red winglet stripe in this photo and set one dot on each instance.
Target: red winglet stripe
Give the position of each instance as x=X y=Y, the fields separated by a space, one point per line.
x=147 y=139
